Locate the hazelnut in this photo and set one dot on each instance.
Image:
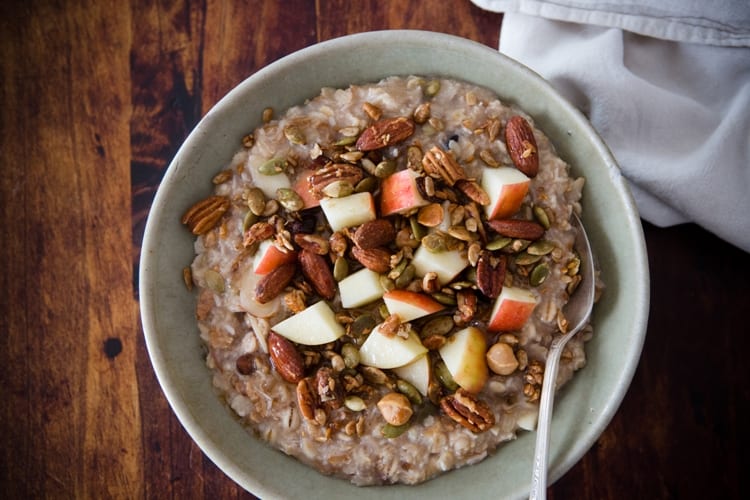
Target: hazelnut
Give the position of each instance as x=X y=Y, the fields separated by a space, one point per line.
x=395 y=408
x=501 y=360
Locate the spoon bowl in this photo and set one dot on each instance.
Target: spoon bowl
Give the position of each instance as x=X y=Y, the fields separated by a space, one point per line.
x=577 y=312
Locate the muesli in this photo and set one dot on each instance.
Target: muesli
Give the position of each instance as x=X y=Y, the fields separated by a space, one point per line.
x=379 y=272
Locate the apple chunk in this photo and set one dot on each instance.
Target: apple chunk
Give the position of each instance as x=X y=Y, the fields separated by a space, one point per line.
x=315 y=325
x=464 y=356
x=408 y=305
x=446 y=264
x=348 y=211
x=506 y=187
x=267 y=183
x=390 y=351
x=304 y=190
x=269 y=257
x=417 y=373
x=399 y=193
x=511 y=310
x=360 y=288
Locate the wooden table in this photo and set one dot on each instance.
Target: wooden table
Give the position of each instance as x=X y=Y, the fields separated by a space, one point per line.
x=95 y=98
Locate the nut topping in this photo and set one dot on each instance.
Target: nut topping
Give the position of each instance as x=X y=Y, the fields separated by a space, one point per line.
x=272 y=284
x=442 y=164
x=204 y=215
x=286 y=359
x=491 y=273
x=519 y=139
x=334 y=172
x=468 y=411
x=517 y=228
x=473 y=191
x=315 y=268
x=385 y=132
x=375 y=259
x=375 y=233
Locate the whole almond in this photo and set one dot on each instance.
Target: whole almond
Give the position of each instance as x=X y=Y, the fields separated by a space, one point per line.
x=272 y=284
x=491 y=273
x=285 y=357
x=375 y=259
x=517 y=228
x=519 y=139
x=316 y=270
x=374 y=233
x=385 y=132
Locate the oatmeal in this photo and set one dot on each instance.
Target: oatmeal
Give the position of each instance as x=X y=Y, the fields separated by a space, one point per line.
x=379 y=273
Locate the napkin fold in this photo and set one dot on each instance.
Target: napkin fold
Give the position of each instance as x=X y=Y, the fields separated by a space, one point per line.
x=666 y=84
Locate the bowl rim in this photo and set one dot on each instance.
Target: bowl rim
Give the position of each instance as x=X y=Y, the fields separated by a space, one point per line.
x=149 y=307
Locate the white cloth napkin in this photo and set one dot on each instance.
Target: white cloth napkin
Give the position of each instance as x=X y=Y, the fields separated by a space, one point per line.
x=666 y=83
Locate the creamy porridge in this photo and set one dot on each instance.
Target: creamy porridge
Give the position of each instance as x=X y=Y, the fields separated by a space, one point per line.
x=379 y=272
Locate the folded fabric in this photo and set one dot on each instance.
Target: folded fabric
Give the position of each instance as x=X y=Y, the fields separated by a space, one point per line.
x=676 y=115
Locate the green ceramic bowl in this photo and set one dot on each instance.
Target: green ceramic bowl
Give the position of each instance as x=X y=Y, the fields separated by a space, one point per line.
x=583 y=408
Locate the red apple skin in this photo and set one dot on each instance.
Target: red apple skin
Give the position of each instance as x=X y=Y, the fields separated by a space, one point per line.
x=510 y=200
x=303 y=189
x=399 y=193
x=511 y=315
x=420 y=300
x=272 y=259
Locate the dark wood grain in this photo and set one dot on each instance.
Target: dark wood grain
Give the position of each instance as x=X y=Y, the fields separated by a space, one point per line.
x=95 y=99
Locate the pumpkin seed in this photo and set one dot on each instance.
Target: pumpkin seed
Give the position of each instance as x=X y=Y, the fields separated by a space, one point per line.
x=525 y=258
x=539 y=274
x=383 y=311
x=273 y=166
x=444 y=376
x=350 y=353
x=368 y=165
x=340 y=269
x=540 y=247
x=409 y=391
x=294 y=135
x=368 y=184
x=361 y=326
x=387 y=283
x=391 y=431
x=435 y=243
x=214 y=281
x=352 y=156
x=498 y=244
x=256 y=200
x=422 y=113
x=461 y=233
x=354 y=403
x=267 y=115
x=352 y=131
x=432 y=88
x=384 y=169
x=540 y=214
x=338 y=189
x=441 y=325
x=417 y=229
x=413 y=157
x=444 y=298
x=289 y=199
x=249 y=219
x=406 y=276
x=345 y=141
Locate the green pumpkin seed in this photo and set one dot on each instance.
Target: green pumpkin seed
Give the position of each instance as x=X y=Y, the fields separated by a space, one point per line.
x=274 y=166
x=525 y=258
x=432 y=88
x=289 y=199
x=441 y=325
x=256 y=200
x=435 y=243
x=368 y=184
x=444 y=298
x=498 y=244
x=345 y=141
x=461 y=233
x=340 y=269
x=354 y=403
x=214 y=281
x=249 y=219
x=294 y=135
x=444 y=376
x=338 y=189
x=541 y=216
x=387 y=283
x=383 y=310
x=390 y=431
x=417 y=229
x=406 y=276
x=409 y=391
x=540 y=247
x=350 y=353
x=384 y=169
x=539 y=274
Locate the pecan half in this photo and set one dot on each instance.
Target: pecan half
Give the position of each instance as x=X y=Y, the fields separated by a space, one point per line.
x=313 y=243
x=466 y=306
x=204 y=215
x=467 y=410
x=257 y=232
x=374 y=233
x=519 y=139
x=473 y=191
x=329 y=388
x=441 y=163
x=285 y=357
x=375 y=259
x=385 y=132
x=517 y=228
x=272 y=284
x=318 y=274
x=307 y=399
x=491 y=273
x=334 y=172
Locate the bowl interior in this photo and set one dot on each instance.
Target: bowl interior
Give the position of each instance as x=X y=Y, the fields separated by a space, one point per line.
x=584 y=407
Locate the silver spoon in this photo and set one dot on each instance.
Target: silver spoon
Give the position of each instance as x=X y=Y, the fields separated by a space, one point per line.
x=577 y=311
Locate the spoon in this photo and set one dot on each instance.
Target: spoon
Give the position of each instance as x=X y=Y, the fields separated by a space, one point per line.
x=577 y=311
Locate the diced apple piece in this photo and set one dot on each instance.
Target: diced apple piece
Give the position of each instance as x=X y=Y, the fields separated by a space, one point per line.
x=315 y=325
x=417 y=373
x=360 y=288
x=408 y=305
x=384 y=351
x=266 y=183
x=269 y=257
x=446 y=264
x=302 y=188
x=511 y=310
x=247 y=302
x=399 y=193
x=527 y=420
x=464 y=356
x=348 y=211
x=506 y=187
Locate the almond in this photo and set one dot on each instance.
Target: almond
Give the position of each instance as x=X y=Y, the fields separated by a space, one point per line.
x=517 y=228
x=272 y=284
x=286 y=359
x=385 y=132
x=375 y=233
x=375 y=259
x=318 y=274
x=519 y=139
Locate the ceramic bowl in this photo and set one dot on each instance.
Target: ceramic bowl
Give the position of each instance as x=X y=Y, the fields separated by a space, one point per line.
x=583 y=408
